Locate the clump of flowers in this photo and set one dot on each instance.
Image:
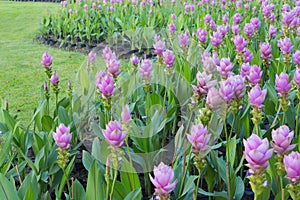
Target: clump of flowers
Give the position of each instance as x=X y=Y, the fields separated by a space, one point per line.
x=62 y=138
x=163 y=177
x=292 y=168
x=257 y=154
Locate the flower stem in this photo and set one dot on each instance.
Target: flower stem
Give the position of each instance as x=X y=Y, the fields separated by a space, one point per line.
x=128 y=149
x=283 y=118
x=282 y=189
x=198 y=182
x=113 y=184
x=68 y=184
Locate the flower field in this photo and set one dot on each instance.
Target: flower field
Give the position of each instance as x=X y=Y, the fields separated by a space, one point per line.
x=204 y=104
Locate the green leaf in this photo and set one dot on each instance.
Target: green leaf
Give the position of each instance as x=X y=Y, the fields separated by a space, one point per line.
x=63 y=116
x=65 y=178
x=239 y=188
x=95 y=183
x=79 y=193
x=47 y=122
x=189 y=185
x=232 y=150
x=135 y=194
x=10 y=122
x=87 y=160
x=6 y=148
x=129 y=177
x=7 y=191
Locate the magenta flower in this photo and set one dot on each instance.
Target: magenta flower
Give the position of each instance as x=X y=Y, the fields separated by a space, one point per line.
x=199 y=138
x=108 y=54
x=249 y=30
x=207 y=18
x=255 y=75
x=247 y=56
x=222 y=29
x=172 y=28
x=257 y=96
x=204 y=82
x=216 y=39
x=225 y=67
x=105 y=84
x=285 y=45
x=256 y=23
x=257 y=153
x=184 y=39
x=209 y=65
x=282 y=138
x=226 y=90
x=47 y=60
x=245 y=69
x=240 y=43
x=292 y=166
x=237 y=18
x=235 y=29
x=266 y=50
x=272 y=31
x=146 y=69
x=214 y=100
x=287 y=18
x=54 y=78
x=113 y=67
x=297 y=76
x=125 y=114
x=85 y=7
x=296 y=57
x=159 y=47
x=91 y=57
x=169 y=58
x=202 y=35
x=135 y=60
x=114 y=134
x=282 y=83
x=239 y=86
x=163 y=176
x=62 y=136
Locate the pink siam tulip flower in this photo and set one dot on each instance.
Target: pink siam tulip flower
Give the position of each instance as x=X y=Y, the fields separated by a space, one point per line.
x=245 y=70
x=240 y=43
x=257 y=96
x=282 y=138
x=163 y=177
x=91 y=57
x=266 y=50
x=216 y=59
x=298 y=31
x=296 y=57
x=225 y=67
x=207 y=18
x=285 y=8
x=225 y=19
x=114 y=134
x=222 y=29
x=257 y=153
x=239 y=86
x=249 y=30
x=172 y=28
x=125 y=114
x=216 y=39
x=146 y=69
x=47 y=60
x=204 y=83
x=256 y=23
x=108 y=54
x=292 y=166
x=287 y=18
x=184 y=39
x=85 y=7
x=285 y=45
x=71 y=11
x=105 y=84
x=255 y=75
x=247 y=56
x=113 y=67
x=213 y=25
x=209 y=65
x=202 y=35
x=237 y=18
x=159 y=47
x=297 y=76
x=214 y=100
x=199 y=138
x=169 y=58
x=227 y=90
x=272 y=31
x=282 y=83
x=135 y=60
x=235 y=29
x=62 y=136
x=206 y=54
x=54 y=78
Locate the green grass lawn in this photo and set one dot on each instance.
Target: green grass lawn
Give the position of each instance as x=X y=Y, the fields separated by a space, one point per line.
x=21 y=72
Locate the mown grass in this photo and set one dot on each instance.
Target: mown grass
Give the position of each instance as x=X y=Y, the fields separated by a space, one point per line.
x=21 y=74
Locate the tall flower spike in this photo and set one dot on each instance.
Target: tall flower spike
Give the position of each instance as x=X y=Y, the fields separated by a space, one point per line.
x=114 y=134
